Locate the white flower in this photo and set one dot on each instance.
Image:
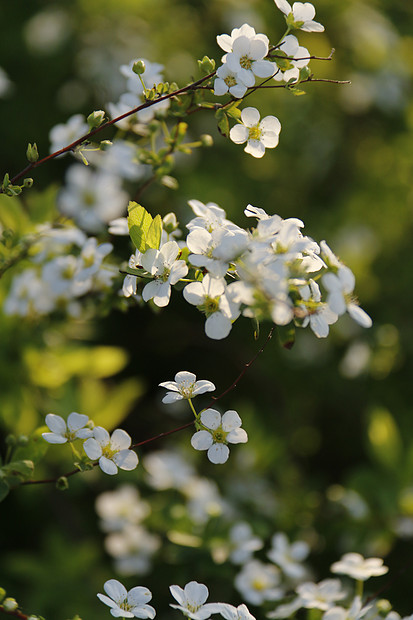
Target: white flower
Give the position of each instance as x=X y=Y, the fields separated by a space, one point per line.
x=167 y=470
x=120 y=508
x=228 y=81
x=299 y=57
x=165 y=269
x=191 y=600
x=216 y=250
x=225 y=41
x=258 y=135
x=355 y=612
x=124 y=604
x=210 y=296
x=288 y=556
x=132 y=549
x=209 y=216
x=63 y=134
x=340 y=287
x=91 y=257
x=320 y=595
x=243 y=543
x=246 y=60
x=319 y=318
x=62 y=432
x=217 y=433
x=300 y=15
x=204 y=500
x=119 y=226
x=258 y=582
x=185 y=386
x=355 y=566
x=112 y=451
x=229 y=612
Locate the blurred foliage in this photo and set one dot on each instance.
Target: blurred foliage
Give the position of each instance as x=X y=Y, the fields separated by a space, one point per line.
x=329 y=422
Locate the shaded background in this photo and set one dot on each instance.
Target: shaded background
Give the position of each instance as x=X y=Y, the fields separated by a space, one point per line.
x=323 y=418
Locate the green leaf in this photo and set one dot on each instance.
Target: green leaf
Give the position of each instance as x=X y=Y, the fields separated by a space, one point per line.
x=153 y=238
x=4 y=489
x=139 y=222
x=286 y=334
x=223 y=124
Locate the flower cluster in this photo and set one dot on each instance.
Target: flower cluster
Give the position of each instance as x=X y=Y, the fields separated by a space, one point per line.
x=270 y=272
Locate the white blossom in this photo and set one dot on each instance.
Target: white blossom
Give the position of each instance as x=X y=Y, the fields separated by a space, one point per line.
x=185 y=386
x=166 y=269
x=132 y=549
x=62 y=431
x=192 y=600
x=354 y=565
x=340 y=287
x=320 y=595
x=246 y=59
x=288 y=557
x=167 y=470
x=243 y=543
x=258 y=582
x=258 y=135
x=298 y=57
x=300 y=15
x=120 y=508
x=229 y=612
x=217 y=432
x=124 y=604
x=63 y=134
x=111 y=450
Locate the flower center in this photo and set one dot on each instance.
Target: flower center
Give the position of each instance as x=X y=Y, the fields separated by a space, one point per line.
x=166 y=273
x=89 y=198
x=192 y=608
x=230 y=81
x=109 y=453
x=259 y=584
x=210 y=305
x=219 y=435
x=186 y=390
x=245 y=62
x=254 y=133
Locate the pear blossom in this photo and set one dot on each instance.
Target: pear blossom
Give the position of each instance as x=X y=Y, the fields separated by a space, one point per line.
x=130 y=282
x=229 y=81
x=124 y=604
x=62 y=431
x=217 y=432
x=209 y=216
x=185 y=386
x=192 y=599
x=319 y=318
x=288 y=556
x=132 y=549
x=120 y=508
x=211 y=297
x=258 y=135
x=243 y=543
x=298 y=57
x=166 y=269
x=354 y=565
x=300 y=15
x=111 y=450
x=226 y=41
x=216 y=250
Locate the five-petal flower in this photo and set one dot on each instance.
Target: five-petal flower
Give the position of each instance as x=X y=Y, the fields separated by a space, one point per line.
x=124 y=604
x=258 y=135
x=111 y=450
x=217 y=432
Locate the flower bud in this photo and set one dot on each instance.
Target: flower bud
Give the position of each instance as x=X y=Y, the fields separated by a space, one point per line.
x=2 y=594
x=10 y=441
x=62 y=483
x=95 y=119
x=22 y=440
x=32 y=153
x=206 y=140
x=28 y=182
x=10 y=604
x=206 y=65
x=139 y=67
x=170 y=223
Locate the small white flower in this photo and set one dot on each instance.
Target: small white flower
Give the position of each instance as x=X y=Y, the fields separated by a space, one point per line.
x=192 y=599
x=167 y=470
x=299 y=57
x=320 y=595
x=340 y=287
x=228 y=81
x=124 y=604
x=247 y=59
x=112 y=451
x=229 y=612
x=258 y=582
x=217 y=433
x=300 y=15
x=243 y=543
x=209 y=216
x=120 y=508
x=165 y=269
x=62 y=432
x=355 y=612
x=258 y=135
x=288 y=556
x=132 y=549
x=63 y=134
x=354 y=565
x=225 y=41
x=185 y=386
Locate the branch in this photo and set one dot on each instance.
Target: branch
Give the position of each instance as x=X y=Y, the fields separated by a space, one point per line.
x=175 y=430
x=90 y=134
x=16 y=613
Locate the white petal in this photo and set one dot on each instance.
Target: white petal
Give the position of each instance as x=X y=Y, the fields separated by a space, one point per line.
x=255 y=148
x=105 y=599
x=75 y=421
x=211 y=418
x=107 y=466
x=139 y=596
x=101 y=435
x=238 y=435
x=231 y=420
x=54 y=438
x=359 y=315
x=194 y=293
x=201 y=440
x=220 y=87
x=92 y=449
x=178 y=594
x=196 y=593
x=120 y=440
x=115 y=590
x=150 y=290
x=203 y=386
x=217 y=326
x=250 y=117
x=143 y=611
x=284 y=6
x=239 y=134
x=264 y=68
x=185 y=376
x=270 y=123
x=171 y=397
x=303 y=12
x=126 y=459
x=56 y=423
x=218 y=453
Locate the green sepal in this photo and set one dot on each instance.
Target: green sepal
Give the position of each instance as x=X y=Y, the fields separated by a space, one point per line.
x=84 y=465
x=305 y=73
x=206 y=65
x=233 y=111
x=62 y=483
x=286 y=334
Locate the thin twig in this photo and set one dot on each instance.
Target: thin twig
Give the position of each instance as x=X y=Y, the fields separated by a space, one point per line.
x=16 y=613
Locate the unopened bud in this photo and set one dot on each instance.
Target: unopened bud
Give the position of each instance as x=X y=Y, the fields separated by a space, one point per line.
x=170 y=223
x=95 y=119
x=62 y=483
x=138 y=67
x=32 y=153
x=22 y=440
x=206 y=140
x=10 y=440
x=2 y=594
x=10 y=604
x=28 y=182
x=383 y=606
x=206 y=65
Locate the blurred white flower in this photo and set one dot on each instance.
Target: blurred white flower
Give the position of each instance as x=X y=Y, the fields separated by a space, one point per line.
x=258 y=582
x=354 y=565
x=289 y=556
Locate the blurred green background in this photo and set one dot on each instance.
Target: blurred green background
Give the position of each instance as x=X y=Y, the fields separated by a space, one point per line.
x=330 y=454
